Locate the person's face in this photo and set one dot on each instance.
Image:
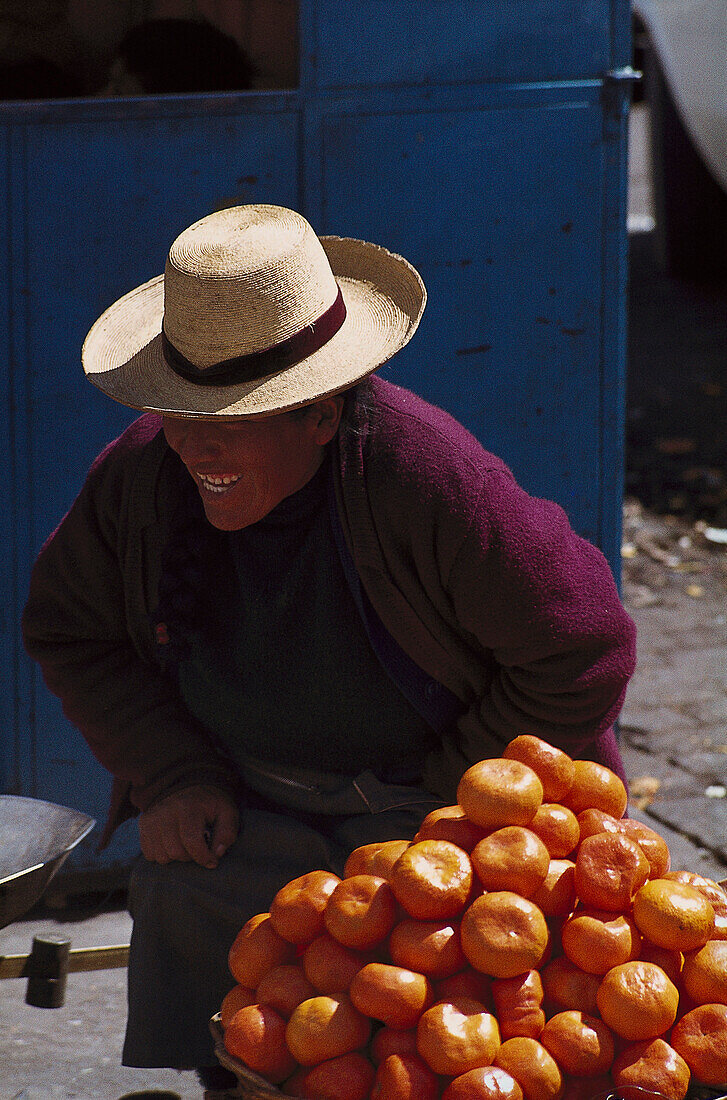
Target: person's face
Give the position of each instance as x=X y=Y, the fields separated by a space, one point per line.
x=244 y=468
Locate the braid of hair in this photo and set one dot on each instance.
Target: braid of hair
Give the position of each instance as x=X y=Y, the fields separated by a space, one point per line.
x=182 y=581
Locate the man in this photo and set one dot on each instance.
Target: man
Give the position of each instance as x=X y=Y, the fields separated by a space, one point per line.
x=293 y=602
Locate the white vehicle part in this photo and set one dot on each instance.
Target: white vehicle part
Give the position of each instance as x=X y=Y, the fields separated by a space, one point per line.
x=690 y=40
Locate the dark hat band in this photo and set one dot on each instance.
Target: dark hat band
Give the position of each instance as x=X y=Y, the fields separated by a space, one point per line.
x=249 y=368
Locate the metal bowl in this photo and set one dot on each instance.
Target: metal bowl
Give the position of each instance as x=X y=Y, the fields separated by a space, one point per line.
x=35 y=839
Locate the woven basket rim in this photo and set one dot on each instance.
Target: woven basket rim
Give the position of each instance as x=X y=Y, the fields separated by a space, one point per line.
x=251 y=1084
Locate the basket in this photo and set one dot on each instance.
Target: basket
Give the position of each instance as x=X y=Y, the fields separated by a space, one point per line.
x=249 y=1085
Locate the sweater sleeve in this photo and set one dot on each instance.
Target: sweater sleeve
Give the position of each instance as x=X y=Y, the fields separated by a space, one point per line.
x=75 y=626
x=543 y=603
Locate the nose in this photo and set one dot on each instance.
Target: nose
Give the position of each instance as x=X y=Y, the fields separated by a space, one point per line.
x=193 y=440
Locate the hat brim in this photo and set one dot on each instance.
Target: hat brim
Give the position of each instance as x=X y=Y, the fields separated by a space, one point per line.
x=384 y=297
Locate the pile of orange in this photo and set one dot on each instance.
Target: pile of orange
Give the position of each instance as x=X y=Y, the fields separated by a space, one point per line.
x=529 y=943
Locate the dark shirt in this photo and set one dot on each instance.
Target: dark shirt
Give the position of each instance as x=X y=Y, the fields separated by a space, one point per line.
x=284 y=670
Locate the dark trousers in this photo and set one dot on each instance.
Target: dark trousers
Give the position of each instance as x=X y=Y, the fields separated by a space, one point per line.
x=186 y=918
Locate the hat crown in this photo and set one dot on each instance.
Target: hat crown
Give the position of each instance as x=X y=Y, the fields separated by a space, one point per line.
x=242 y=280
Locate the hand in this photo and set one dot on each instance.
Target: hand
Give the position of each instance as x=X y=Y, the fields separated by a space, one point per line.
x=195 y=823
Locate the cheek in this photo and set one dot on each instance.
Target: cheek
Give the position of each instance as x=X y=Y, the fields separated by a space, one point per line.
x=173 y=435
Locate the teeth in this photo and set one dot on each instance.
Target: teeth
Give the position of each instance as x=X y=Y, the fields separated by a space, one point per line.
x=217 y=483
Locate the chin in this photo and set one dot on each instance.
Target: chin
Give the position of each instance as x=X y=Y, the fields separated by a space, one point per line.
x=228 y=519
x=226 y=523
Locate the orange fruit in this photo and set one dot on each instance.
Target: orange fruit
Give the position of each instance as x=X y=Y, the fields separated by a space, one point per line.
x=455 y=1037
x=256 y=949
x=284 y=987
x=593 y=821
x=637 y=1000
x=534 y=1069
x=504 y=934
x=405 y=1077
x=518 y=1005
x=347 y=1077
x=296 y=911
x=483 y=1083
x=672 y=915
x=295 y=1085
x=393 y=994
x=565 y=986
x=450 y=823
x=240 y=996
x=329 y=966
x=429 y=947
x=714 y=894
x=511 y=858
x=712 y=890
x=596 y=787
x=717 y=898
x=704 y=973
x=467 y=983
x=610 y=868
x=699 y=882
x=596 y=940
x=654 y=847
x=652 y=1067
x=553 y=767
x=500 y=792
x=256 y=1035
x=700 y=1037
x=587 y=1088
x=556 y=895
x=432 y=879
x=582 y=1045
x=557 y=827
x=392 y=1040
x=719 y=932
x=360 y=911
x=324 y=1027
x=671 y=962
x=376 y=858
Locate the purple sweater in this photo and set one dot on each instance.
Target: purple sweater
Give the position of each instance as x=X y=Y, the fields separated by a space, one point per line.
x=488 y=590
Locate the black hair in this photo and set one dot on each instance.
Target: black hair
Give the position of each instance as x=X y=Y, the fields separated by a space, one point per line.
x=193 y=544
x=184 y=55
x=37 y=78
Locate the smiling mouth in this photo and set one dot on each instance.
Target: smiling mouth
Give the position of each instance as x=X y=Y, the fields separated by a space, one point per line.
x=217 y=483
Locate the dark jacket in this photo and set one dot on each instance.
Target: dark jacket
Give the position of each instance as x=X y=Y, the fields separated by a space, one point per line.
x=487 y=589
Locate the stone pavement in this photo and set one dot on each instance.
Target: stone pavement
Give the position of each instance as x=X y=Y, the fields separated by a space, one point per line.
x=674 y=723
x=73 y=1051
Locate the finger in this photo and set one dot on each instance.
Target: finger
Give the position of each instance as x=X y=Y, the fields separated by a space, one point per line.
x=175 y=850
x=225 y=829
x=192 y=836
x=151 y=849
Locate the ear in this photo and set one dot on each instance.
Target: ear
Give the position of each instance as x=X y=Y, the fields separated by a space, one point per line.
x=323 y=418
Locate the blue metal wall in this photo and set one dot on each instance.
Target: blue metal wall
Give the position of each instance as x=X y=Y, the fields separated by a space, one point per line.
x=484 y=142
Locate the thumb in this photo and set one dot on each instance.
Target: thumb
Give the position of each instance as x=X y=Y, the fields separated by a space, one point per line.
x=224 y=827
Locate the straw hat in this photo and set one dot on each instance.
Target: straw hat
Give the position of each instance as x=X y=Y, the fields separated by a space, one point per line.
x=253 y=315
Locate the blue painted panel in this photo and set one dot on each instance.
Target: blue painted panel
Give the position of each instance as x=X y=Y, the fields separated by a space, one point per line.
x=362 y=42
x=98 y=194
x=500 y=208
x=113 y=193
x=475 y=139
